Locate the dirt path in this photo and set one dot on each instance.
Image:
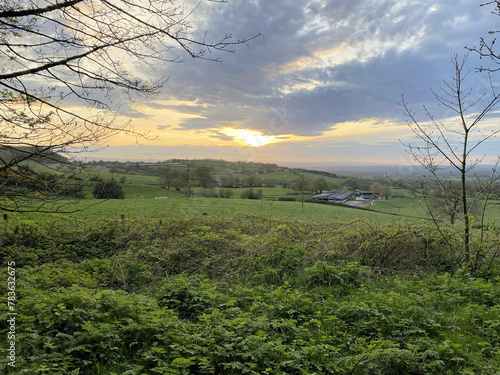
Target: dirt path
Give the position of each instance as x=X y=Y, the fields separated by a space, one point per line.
x=358 y=203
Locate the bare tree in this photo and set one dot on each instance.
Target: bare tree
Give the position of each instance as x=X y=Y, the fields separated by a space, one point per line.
x=452 y=150
x=205 y=177
x=167 y=176
x=445 y=199
x=59 y=57
x=486 y=48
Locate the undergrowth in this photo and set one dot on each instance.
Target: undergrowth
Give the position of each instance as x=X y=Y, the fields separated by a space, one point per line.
x=244 y=295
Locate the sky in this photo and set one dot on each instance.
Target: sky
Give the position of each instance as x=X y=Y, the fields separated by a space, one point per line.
x=320 y=86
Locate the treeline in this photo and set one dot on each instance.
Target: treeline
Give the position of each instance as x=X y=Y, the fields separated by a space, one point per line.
x=313 y=171
x=205 y=177
x=152 y=169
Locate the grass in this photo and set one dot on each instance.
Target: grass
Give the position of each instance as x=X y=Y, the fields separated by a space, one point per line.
x=267 y=192
x=231 y=286
x=402 y=206
x=145 y=206
x=418 y=208
x=130 y=179
x=140 y=202
x=133 y=191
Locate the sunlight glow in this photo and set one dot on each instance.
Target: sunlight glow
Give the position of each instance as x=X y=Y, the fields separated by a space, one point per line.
x=252 y=138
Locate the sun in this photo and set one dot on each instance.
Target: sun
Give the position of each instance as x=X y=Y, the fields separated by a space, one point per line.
x=252 y=138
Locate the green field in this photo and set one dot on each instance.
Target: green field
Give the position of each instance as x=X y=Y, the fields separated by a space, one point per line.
x=183 y=207
x=140 y=202
x=402 y=206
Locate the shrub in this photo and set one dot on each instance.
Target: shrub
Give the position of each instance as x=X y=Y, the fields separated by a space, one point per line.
x=110 y=189
x=286 y=198
x=95 y=179
x=251 y=194
x=73 y=189
x=225 y=193
x=208 y=193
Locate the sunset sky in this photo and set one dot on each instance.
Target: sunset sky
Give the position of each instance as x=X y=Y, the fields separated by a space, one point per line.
x=320 y=86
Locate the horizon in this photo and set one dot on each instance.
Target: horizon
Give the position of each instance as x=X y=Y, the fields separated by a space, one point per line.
x=353 y=169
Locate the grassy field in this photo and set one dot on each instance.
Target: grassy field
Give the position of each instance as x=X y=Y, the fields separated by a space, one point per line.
x=183 y=207
x=140 y=203
x=418 y=208
x=130 y=179
x=402 y=206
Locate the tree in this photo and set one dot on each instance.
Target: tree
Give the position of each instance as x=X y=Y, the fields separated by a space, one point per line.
x=445 y=200
x=110 y=189
x=379 y=189
x=167 y=176
x=301 y=185
x=486 y=47
x=452 y=150
x=251 y=194
x=229 y=181
x=204 y=176
x=318 y=185
x=252 y=181
x=181 y=181
x=334 y=185
x=269 y=182
x=356 y=183
x=65 y=61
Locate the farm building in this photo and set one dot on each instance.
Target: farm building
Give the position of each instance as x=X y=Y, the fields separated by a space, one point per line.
x=338 y=196
x=364 y=195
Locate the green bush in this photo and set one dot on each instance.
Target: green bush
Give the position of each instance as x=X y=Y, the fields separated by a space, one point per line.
x=226 y=193
x=286 y=198
x=208 y=193
x=109 y=189
x=251 y=194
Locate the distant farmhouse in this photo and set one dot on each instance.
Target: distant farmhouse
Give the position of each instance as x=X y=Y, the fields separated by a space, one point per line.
x=337 y=196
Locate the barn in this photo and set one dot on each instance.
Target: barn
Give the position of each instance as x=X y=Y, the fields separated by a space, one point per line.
x=338 y=196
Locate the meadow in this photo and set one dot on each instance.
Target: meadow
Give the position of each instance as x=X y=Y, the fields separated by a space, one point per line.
x=140 y=202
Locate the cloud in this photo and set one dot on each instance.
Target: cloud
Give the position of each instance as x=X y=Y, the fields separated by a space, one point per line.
x=219 y=135
x=320 y=63
x=164 y=127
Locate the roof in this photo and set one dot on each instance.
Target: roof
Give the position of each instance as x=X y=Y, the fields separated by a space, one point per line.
x=335 y=195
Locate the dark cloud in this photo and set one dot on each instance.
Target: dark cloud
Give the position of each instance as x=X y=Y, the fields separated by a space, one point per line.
x=281 y=83
x=218 y=135
x=166 y=127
